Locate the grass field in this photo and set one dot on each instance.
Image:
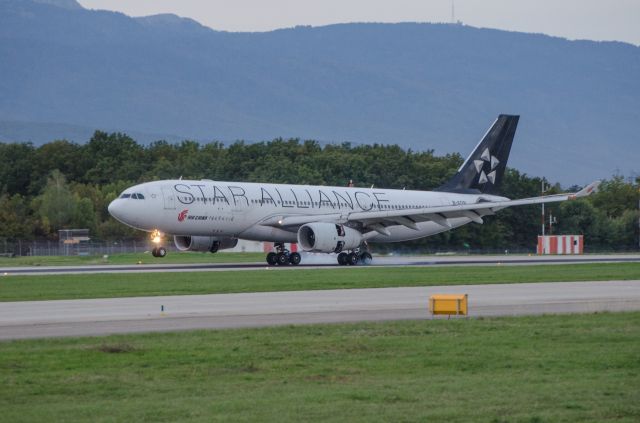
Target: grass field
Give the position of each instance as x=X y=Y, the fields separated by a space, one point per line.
x=129 y=259
x=574 y=368
x=20 y=288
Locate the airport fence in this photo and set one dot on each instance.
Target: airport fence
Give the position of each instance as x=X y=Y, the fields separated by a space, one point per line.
x=99 y=248
x=92 y=248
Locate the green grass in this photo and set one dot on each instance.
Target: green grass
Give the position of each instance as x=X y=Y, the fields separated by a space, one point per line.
x=574 y=368
x=131 y=258
x=20 y=288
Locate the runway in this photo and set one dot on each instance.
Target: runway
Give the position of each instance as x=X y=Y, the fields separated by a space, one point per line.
x=35 y=319
x=312 y=261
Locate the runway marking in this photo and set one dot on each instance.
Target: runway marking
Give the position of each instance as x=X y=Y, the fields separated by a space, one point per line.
x=33 y=319
x=382 y=261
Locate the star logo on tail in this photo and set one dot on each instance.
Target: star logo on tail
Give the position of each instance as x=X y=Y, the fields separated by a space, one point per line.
x=489 y=162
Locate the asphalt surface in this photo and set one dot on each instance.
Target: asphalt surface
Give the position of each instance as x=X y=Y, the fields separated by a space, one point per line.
x=35 y=319
x=311 y=261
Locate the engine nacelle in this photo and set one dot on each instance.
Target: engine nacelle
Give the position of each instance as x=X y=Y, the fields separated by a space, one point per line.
x=328 y=237
x=203 y=243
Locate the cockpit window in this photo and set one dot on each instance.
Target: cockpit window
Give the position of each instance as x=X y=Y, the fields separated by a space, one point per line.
x=134 y=196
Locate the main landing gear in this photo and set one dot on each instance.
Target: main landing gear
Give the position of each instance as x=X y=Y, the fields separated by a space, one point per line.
x=282 y=256
x=355 y=257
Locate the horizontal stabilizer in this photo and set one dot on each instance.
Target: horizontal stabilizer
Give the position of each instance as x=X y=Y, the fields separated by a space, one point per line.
x=588 y=190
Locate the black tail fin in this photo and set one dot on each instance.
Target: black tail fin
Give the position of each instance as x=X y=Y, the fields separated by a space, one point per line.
x=483 y=170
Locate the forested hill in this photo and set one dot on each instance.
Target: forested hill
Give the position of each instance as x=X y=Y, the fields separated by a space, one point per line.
x=423 y=86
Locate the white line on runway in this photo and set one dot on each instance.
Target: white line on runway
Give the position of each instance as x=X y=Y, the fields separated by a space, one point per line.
x=324 y=261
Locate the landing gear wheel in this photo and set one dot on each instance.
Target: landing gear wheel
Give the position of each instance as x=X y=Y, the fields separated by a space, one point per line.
x=154 y=252
x=272 y=259
x=342 y=259
x=161 y=252
x=282 y=259
x=366 y=258
x=295 y=258
x=352 y=259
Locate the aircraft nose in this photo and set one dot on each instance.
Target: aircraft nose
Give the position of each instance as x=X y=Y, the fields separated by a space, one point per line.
x=115 y=208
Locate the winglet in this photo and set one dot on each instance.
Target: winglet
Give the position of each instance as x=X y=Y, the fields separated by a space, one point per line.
x=588 y=190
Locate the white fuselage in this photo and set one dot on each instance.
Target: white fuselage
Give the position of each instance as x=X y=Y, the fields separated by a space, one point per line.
x=237 y=209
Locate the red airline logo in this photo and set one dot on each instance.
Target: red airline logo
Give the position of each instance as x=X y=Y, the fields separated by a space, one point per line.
x=182 y=215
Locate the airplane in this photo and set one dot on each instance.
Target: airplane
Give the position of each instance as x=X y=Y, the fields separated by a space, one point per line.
x=206 y=215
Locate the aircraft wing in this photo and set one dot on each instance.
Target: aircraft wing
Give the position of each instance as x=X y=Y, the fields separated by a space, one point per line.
x=379 y=220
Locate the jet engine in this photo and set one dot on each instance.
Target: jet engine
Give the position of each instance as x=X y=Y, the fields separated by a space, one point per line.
x=328 y=237
x=203 y=243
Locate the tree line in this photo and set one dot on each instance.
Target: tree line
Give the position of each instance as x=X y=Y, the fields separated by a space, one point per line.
x=62 y=185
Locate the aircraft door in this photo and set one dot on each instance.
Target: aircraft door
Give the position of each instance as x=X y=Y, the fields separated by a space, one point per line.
x=169 y=197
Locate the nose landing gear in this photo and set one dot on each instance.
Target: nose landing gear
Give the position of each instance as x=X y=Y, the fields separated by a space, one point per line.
x=158 y=250
x=282 y=256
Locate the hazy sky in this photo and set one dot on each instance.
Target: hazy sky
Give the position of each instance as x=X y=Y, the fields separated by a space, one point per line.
x=574 y=19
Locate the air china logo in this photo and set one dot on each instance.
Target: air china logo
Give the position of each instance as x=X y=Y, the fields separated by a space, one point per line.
x=182 y=215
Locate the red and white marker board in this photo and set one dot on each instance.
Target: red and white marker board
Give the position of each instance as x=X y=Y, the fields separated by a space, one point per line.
x=561 y=244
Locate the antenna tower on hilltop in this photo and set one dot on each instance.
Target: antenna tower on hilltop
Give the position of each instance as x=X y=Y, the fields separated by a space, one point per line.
x=453 y=11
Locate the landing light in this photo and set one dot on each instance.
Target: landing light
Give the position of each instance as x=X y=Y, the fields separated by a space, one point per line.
x=156 y=236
